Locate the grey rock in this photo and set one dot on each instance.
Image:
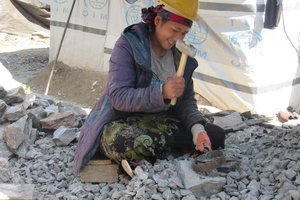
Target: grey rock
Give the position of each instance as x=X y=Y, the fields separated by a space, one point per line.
x=189 y=197
x=51 y=109
x=253 y=185
x=14 y=113
x=14 y=96
x=167 y=194
x=140 y=192
x=36 y=114
x=64 y=107
x=297 y=180
x=3 y=107
x=14 y=134
x=3 y=92
x=157 y=197
x=91 y=188
x=64 y=136
x=232 y=121
x=265 y=181
x=2 y=128
x=55 y=120
x=251 y=122
x=158 y=167
x=290 y=173
x=4 y=162
x=266 y=197
x=50 y=99
x=185 y=192
x=200 y=186
x=294 y=194
x=28 y=101
x=5 y=175
x=41 y=102
x=286 y=186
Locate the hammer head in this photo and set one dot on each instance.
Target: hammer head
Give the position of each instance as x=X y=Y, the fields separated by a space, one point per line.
x=188 y=49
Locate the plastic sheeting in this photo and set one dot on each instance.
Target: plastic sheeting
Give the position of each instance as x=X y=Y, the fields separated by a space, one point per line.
x=242 y=66
x=94 y=27
x=24 y=16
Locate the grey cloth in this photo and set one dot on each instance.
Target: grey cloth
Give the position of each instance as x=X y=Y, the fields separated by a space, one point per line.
x=163 y=67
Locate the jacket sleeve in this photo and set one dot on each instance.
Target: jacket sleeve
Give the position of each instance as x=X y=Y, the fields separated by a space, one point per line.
x=124 y=93
x=187 y=110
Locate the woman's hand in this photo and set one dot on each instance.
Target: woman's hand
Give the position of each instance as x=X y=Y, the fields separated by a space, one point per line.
x=173 y=87
x=203 y=141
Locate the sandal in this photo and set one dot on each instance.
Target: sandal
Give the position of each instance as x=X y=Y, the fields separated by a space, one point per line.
x=284 y=116
x=126 y=167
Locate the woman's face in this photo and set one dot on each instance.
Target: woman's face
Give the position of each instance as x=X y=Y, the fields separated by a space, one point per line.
x=168 y=32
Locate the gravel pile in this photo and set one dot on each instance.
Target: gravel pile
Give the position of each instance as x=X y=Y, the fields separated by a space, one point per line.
x=267 y=162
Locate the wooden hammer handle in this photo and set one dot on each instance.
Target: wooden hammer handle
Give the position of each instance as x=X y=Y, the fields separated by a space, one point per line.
x=180 y=72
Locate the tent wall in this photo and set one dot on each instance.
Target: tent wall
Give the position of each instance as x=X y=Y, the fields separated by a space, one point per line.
x=242 y=66
x=24 y=17
x=94 y=27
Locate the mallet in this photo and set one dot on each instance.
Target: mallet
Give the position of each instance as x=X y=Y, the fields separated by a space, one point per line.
x=186 y=50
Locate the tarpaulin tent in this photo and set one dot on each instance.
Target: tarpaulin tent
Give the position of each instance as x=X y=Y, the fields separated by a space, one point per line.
x=242 y=65
x=24 y=16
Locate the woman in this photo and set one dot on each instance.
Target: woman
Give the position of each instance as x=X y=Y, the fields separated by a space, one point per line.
x=133 y=119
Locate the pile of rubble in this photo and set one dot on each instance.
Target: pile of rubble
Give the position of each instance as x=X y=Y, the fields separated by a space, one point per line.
x=38 y=139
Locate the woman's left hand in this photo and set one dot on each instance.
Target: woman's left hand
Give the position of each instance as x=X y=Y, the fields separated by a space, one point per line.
x=203 y=141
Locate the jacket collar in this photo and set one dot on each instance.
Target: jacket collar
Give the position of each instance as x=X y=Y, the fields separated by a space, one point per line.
x=137 y=36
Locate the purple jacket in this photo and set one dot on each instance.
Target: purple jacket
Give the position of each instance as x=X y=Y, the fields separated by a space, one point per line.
x=129 y=89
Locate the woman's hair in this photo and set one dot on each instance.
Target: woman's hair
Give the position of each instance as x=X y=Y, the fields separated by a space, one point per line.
x=149 y=14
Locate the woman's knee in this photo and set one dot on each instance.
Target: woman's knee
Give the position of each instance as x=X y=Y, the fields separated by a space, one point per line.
x=216 y=135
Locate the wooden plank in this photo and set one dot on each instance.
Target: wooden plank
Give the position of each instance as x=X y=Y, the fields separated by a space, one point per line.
x=99 y=173
x=100 y=162
x=16 y=191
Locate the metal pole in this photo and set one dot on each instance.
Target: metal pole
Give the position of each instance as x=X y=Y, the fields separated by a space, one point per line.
x=60 y=44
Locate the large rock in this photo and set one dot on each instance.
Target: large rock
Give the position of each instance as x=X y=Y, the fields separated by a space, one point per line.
x=199 y=185
x=230 y=122
x=64 y=136
x=4 y=151
x=14 y=113
x=37 y=114
x=15 y=95
x=15 y=134
x=55 y=120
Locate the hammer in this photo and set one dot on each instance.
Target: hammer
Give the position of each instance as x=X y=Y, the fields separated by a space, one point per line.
x=186 y=50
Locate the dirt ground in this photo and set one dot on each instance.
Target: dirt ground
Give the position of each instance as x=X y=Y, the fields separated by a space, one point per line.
x=70 y=84
x=24 y=61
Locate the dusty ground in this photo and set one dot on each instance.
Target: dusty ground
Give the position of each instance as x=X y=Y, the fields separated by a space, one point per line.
x=24 y=60
x=70 y=84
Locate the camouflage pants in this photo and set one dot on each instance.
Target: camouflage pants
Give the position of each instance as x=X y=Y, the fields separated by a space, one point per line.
x=139 y=136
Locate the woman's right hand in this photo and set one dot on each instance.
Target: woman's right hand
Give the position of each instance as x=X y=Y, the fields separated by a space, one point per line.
x=173 y=88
